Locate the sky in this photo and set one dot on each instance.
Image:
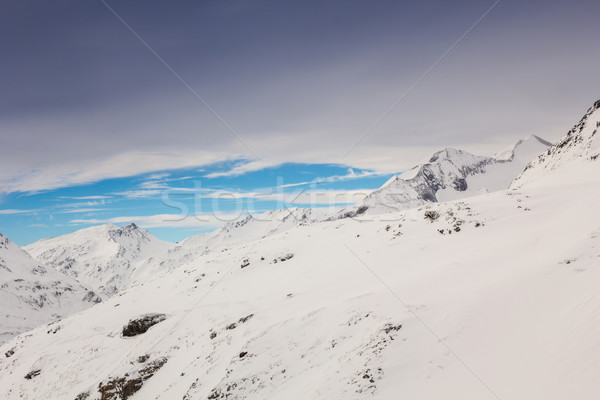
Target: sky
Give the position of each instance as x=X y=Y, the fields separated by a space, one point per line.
x=99 y=98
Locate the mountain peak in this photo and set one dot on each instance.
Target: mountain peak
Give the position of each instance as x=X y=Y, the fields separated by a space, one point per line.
x=127 y=230
x=579 y=144
x=539 y=139
x=4 y=241
x=446 y=153
x=103 y=257
x=527 y=148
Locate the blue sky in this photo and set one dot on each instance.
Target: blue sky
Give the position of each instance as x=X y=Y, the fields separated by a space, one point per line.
x=176 y=204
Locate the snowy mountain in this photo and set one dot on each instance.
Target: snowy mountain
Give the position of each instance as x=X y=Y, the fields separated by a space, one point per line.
x=102 y=257
x=32 y=295
x=242 y=230
x=451 y=174
x=252 y=227
x=490 y=296
x=578 y=147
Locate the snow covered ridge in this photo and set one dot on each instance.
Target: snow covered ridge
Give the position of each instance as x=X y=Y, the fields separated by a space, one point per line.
x=450 y=174
x=102 y=257
x=32 y=294
x=580 y=144
x=257 y=226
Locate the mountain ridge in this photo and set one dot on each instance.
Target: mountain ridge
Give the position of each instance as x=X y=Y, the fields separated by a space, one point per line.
x=34 y=294
x=102 y=256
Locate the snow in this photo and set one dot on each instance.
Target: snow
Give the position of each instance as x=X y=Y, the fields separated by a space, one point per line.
x=511 y=315
x=32 y=294
x=527 y=148
x=580 y=144
x=493 y=296
x=102 y=257
x=452 y=174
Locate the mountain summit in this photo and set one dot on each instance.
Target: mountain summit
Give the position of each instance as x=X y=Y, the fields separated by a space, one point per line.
x=103 y=257
x=451 y=174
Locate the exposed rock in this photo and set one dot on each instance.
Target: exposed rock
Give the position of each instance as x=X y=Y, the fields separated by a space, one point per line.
x=124 y=387
x=33 y=374
x=141 y=325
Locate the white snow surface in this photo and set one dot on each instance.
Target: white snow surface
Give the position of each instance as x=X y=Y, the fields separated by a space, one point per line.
x=580 y=145
x=102 y=257
x=492 y=296
x=451 y=174
x=32 y=294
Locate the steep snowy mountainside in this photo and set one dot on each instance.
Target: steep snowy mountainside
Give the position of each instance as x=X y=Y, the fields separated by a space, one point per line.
x=451 y=174
x=102 y=257
x=445 y=301
x=580 y=145
x=32 y=294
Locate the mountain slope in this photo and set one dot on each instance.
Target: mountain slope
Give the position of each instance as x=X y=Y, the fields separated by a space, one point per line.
x=32 y=294
x=245 y=229
x=252 y=227
x=451 y=174
x=570 y=156
x=103 y=257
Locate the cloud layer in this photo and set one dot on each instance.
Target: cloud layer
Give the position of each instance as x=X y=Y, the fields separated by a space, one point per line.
x=83 y=99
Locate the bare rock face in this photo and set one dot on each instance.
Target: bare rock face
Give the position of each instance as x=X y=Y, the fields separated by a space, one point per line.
x=141 y=325
x=126 y=386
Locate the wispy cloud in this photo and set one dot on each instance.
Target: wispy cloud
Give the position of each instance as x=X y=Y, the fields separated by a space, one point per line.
x=81 y=210
x=158 y=176
x=85 y=197
x=241 y=169
x=85 y=204
x=335 y=178
x=16 y=211
x=317 y=197
x=117 y=166
x=197 y=221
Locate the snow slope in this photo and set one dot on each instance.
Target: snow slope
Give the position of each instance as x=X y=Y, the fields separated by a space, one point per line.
x=102 y=257
x=490 y=297
x=256 y=226
x=31 y=294
x=324 y=326
x=580 y=146
x=245 y=229
x=451 y=174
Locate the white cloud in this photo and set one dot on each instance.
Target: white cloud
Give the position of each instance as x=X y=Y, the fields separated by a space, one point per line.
x=16 y=211
x=85 y=197
x=88 y=171
x=81 y=210
x=242 y=168
x=197 y=221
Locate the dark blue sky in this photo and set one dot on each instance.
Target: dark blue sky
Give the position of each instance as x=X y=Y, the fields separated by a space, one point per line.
x=82 y=100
